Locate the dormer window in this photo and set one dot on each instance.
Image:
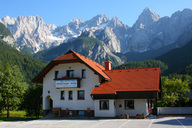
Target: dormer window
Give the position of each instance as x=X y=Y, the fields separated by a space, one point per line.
x=56 y=74
x=70 y=73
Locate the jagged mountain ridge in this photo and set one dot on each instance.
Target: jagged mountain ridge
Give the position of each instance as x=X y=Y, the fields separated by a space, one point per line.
x=87 y=46
x=150 y=31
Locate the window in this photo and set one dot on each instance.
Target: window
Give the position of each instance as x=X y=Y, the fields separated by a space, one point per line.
x=56 y=74
x=62 y=95
x=81 y=95
x=70 y=73
x=129 y=104
x=83 y=73
x=104 y=105
x=81 y=113
x=70 y=113
x=70 y=95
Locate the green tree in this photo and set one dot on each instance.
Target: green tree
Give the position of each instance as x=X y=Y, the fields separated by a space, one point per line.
x=33 y=100
x=174 y=91
x=1 y=105
x=12 y=87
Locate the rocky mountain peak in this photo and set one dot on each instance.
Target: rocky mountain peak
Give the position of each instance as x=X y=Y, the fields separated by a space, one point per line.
x=186 y=14
x=77 y=21
x=98 y=20
x=146 y=18
x=115 y=22
x=7 y=20
x=150 y=13
x=148 y=33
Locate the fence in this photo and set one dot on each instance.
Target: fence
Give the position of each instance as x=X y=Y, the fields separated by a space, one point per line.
x=174 y=110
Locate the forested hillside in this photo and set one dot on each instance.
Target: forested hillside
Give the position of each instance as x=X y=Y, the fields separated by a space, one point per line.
x=4 y=31
x=86 y=46
x=177 y=59
x=29 y=66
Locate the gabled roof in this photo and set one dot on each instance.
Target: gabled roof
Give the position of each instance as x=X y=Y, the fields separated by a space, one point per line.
x=93 y=65
x=72 y=57
x=139 y=79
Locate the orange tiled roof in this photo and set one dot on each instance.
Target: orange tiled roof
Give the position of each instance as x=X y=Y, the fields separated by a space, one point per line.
x=71 y=57
x=94 y=65
x=67 y=56
x=140 y=79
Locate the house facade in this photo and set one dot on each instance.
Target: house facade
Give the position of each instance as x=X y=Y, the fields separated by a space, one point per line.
x=78 y=86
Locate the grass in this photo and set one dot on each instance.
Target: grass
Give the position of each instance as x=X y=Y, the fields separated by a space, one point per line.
x=15 y=116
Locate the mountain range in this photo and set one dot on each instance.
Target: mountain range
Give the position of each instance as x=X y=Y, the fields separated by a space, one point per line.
x=150 y=36
x=178 y=60
x=28 y=65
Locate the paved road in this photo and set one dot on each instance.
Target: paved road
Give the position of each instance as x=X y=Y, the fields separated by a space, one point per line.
x=166 y=122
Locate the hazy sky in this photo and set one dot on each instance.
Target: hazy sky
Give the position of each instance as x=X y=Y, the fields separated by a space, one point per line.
x=61 y=12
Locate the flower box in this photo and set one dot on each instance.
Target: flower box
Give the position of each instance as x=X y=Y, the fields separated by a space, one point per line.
x=142 y=116
x=126 y=116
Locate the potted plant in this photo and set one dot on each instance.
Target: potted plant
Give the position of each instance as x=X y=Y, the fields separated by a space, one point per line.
x=140 y=116
x=125 y=116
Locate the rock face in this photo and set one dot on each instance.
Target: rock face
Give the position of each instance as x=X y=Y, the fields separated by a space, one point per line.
x=153 y=32
x=150 y=31
x=31 y=32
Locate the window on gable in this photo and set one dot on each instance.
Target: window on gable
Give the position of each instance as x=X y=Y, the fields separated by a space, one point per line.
x=129 y=104
x=70 y=73
x=70 y=95
x=56 y=74
x=104 y=105
x=81 y=95
x=62 y=95
x=83 y=73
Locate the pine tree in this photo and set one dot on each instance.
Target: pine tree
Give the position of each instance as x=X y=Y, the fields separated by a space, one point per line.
x=33 y=100
x=12 y=87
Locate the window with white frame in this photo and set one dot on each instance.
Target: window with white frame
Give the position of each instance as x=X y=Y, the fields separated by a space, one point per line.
x=83 y=73
x=104 y=105
x=129 y=104
x=81 y=95
x=56 y=74
x=70 y=73
x=70 y=95
x=62 y=95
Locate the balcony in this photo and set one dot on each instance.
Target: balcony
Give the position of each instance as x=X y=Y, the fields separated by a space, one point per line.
x=67 y=82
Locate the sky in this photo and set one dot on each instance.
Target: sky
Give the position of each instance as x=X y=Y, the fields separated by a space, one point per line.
x=61 y=12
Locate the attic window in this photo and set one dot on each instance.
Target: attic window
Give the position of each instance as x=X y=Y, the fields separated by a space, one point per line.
x=56 y=74
x=83 y=73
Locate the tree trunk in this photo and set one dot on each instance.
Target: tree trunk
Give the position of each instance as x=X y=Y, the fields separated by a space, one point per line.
x=8 y=112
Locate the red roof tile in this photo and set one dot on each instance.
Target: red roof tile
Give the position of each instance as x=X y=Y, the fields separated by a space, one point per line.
x=71 y=57
x=140 y=79
x=94 y=65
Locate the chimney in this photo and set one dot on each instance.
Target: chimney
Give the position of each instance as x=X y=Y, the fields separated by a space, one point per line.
x=107 y=65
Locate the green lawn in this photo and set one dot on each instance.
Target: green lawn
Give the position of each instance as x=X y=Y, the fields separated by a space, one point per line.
x=15 y=116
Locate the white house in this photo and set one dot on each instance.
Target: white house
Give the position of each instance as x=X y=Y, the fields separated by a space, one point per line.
x=78 y=86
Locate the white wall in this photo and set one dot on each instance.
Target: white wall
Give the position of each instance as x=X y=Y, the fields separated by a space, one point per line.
x=87 y=84
x=174 y=110
x=140 y=106
x=105 y=113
